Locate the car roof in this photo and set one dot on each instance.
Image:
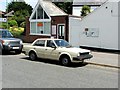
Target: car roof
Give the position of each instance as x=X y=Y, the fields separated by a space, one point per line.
x=48 y=39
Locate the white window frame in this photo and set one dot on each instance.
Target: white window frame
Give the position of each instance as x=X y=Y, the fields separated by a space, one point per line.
x=36 y=28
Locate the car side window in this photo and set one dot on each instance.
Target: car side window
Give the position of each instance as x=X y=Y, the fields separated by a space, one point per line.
x=50 y=43
x=40 y=43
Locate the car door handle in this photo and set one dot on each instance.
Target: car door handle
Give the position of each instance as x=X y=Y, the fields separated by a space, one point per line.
x=45 y=49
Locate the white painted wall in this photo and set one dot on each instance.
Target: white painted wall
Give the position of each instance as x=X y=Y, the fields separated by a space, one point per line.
x=101 y=19
x=77 y=10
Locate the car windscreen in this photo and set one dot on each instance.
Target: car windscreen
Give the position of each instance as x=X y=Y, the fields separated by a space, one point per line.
x=5 y=34
x=62 y=43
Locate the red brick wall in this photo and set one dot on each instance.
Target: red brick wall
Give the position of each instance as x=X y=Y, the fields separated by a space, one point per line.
x=61 y=20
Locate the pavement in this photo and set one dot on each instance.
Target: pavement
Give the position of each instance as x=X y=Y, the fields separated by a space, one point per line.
x=105 y=59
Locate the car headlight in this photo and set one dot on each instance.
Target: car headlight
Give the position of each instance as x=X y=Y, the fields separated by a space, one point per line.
x=5 y=42
x=21 y=42
x=78 y=54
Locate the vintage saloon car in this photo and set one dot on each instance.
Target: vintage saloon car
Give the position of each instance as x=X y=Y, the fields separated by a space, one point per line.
x=56 y=49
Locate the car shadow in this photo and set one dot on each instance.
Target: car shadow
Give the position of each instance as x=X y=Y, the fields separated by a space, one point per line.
x=8 y=53
x=47 y=61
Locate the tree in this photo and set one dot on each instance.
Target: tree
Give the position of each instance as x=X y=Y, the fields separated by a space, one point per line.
x=19 y=6
x=21 y=10
x=85 y=10
x=65 y=6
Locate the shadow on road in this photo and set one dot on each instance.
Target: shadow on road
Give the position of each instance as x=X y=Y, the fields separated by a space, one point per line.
x=8 y=53
x=47 y=61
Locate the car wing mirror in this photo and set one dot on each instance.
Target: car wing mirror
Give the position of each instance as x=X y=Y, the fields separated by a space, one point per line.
x=53 y=46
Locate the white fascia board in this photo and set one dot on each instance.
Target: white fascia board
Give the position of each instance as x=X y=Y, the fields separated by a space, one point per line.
x=41 y=20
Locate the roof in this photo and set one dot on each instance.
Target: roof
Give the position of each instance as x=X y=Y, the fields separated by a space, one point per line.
x=51 y=9
x=10 y=13
x=1 y=12
x=88 y=2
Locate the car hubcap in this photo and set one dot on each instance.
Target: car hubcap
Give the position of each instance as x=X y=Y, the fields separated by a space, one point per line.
x=32 y=56
x=65 y=61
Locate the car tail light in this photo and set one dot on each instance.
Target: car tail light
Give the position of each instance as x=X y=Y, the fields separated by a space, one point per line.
x=2 y=41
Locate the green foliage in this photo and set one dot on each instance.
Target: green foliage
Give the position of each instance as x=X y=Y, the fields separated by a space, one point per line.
x=16 y=31
x=65 y=6
x=20 y=16
x=19 y=6
x=4 y=25
x=23 y=24
x=21 y=10
x=12 y=23
x=85 y=10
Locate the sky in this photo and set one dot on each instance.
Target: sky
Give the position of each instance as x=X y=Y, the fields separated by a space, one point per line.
x=3 y=3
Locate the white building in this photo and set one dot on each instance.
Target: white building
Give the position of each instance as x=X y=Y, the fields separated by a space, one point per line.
x=99 y=29
x=78 y=4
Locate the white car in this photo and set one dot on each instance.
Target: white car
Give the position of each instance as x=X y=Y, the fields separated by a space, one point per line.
x=56 y=49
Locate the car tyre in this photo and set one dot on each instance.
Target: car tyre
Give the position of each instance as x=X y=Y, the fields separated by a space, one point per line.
x=18 y=51
x=32 y=56
x=65 y=61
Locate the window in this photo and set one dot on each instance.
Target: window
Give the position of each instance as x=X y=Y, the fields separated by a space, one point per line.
x=39 y=13
x=40 y=29
x=40 y=43
x=50 y=43
x=45 y=15
x=40 y=22
x=34 y=16
x=33 y=27
x=47 y=27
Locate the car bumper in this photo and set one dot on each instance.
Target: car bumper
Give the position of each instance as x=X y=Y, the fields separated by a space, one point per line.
x=12 y=48
x=82 y=58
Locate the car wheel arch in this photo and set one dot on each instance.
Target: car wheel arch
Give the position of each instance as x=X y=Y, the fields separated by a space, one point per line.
x=32 y=51
x=65 y=54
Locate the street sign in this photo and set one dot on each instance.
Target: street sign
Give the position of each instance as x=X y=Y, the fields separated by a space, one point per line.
x=3 y=19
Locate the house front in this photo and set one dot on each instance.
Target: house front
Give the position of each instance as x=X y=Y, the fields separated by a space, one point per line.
x=46 y=20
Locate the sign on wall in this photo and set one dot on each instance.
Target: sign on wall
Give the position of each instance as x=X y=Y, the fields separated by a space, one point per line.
x=40 y=24
x=54 y=30
x=91 y=32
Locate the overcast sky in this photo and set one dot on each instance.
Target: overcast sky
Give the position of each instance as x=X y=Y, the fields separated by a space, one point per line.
x=4 y=2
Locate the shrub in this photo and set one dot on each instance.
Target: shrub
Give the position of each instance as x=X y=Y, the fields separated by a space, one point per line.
x=16 y=31
x=12 y=23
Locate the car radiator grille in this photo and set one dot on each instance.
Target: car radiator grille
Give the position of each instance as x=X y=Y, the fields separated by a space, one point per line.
x=86 y=53
x=15 y=43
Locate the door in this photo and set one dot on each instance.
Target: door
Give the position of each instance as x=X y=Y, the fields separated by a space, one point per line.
x=39 y=47
x=61 y=31
x=51 y=52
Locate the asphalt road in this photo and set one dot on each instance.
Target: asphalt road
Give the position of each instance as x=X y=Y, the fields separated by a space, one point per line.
x=20 y=72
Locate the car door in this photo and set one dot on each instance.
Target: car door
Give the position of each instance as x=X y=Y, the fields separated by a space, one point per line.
x=51 y=52
x=39 y=47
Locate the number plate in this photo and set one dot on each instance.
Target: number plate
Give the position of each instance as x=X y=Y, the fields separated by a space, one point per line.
x=15 y=47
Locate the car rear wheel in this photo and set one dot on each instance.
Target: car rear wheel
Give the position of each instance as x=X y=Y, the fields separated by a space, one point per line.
x=32 y=56
x=65 y=61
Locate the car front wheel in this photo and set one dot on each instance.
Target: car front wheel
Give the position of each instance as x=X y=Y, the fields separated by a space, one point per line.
x=32 y=56
x=65 y=61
